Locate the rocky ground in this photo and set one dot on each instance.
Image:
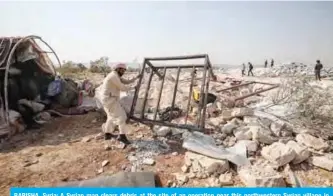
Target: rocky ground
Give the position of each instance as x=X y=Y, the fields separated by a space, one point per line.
x=69 y=149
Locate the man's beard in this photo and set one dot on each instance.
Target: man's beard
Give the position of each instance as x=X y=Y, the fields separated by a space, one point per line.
x=120 y=73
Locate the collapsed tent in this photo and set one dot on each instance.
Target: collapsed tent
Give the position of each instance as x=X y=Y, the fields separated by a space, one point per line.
x=29 y=84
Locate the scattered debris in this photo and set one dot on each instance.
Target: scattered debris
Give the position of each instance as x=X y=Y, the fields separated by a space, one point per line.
x=86 y=139
x=105 y=163
x=181 y=179
x=101 y=170
x=311 y=142
x=226 y=179
x=39 y=154
x=302 y=153
x=29 y=163
x=278 y=153
x=148 y=161
x=325 y=162
x=256 y=176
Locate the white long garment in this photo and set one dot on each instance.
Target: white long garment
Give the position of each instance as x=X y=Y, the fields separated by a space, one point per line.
x=113 y=85
x=109 y=94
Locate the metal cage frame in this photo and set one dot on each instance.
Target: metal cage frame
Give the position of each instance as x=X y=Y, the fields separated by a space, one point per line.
x=207 y=74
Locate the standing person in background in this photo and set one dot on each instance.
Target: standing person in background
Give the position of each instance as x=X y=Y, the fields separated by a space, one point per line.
x=243 y=70
x=250 y=69
x=318 y=68
x=272 y=63
x=266 y=63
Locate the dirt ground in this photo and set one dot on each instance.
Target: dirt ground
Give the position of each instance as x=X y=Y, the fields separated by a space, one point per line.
x=57 y=153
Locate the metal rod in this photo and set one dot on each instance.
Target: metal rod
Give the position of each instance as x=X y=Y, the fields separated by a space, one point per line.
x=137 y=89
x=190 y=95
x=146 y=94
x=163 y=123
x=233 y=87
x=255 y=93
x=199 y=56
x=55 y=54
x=174 y=93
x=211 y=67
x=153 y=68
x=265 y=83
x=160 y=94
x=203 y=118
x=182 y=66
x=201 y=102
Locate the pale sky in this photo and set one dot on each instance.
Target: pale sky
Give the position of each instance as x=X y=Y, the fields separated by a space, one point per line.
x=230 y=32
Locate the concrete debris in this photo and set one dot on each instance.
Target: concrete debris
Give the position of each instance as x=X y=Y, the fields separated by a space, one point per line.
x=181 y=179
x=148 y=161
x=200 y=162
x=162 y=131
x=99 y=136
x=213 y=182
x=105 y=163
x=217 y=168
x=86 y=139
x=191 y=175
x=251 y=146
x=277 y=127
x=302 y=153
x=185 y=168
x=226 y=115
x=241 y=112
x=237 y=122
x=216 y=121
x=243 y=133
x=278 y=153
x=285 y=140
x=101 y=170
x=174 y=154
x=229 y=141
x=250 y=120
x=226 y=179
x=256 y=176
x=311 y=141
x=132 y=158
x=228 y=128
x=262 y=135
x=107 y=147
x=265 y=122
x=324 y=162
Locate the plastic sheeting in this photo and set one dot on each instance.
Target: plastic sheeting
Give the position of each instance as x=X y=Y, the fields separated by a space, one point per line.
x=205 y=145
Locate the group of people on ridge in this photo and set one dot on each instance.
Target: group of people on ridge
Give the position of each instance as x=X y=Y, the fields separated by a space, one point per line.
x=318 y=68
x=251 y=68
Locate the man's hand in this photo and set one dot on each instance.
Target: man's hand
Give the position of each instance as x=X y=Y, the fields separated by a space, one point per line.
x=138 y=76
x=214 y=78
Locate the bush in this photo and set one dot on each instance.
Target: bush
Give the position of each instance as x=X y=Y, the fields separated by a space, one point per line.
x=308 y=103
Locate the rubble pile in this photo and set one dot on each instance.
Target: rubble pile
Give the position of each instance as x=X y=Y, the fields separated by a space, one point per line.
x=145 y=151
x=291 y=69
x=265 y=139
